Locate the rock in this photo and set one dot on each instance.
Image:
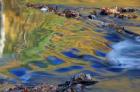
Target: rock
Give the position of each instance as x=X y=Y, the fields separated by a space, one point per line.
x=71 y=13
x=92 y=17
x=36 y=6
x=44 y=9
x=104 y=11
x=125 y=10
x=77 y=83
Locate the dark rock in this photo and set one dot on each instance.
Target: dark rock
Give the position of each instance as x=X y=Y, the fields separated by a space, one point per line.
x=77 y=83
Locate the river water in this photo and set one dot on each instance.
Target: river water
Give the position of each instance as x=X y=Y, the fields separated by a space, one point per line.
x=117 y=69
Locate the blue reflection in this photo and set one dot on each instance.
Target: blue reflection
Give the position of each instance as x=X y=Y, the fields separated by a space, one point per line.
x=84 y=57
x=74 y=50
x=98 y=65
x=54 y=60
x=68 y=69
x=19 y=71
x=70 y=54
x=114 y=37
x=62 y=70
x=39 y=64
x=34 y=77
x=99 y=53
x=76 y=67
x=112 y=69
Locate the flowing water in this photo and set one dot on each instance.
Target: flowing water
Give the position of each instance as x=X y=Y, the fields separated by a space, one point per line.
x=125 y=54
x=110 y=56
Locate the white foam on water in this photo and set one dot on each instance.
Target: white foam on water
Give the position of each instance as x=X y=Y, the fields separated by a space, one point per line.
x=125 y=54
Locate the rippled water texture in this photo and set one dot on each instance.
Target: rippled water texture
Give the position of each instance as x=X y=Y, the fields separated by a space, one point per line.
x=43 y=47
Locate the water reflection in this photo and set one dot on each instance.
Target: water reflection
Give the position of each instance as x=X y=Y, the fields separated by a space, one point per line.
x=68 y=69
x=54 y=60
x=19 y=71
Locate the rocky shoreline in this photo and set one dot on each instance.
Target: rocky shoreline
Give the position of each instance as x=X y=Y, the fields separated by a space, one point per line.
x=77 y=83
x=74 y=12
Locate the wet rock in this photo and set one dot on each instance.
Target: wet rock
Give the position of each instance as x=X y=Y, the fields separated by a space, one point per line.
x=119 y=12
x=124 y=16
x=71 y=13
x=60 y=14
x=109 y=11
x=42 y=7
x=104 y=11
x=92 y=17
x=124 y=10
x=77 y=83
x=94 y=12
x=36 y=6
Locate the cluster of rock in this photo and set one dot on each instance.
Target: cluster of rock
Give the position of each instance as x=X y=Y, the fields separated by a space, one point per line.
x=38 y=88
x=71 y=13
x=122 y=16
x=68 y=13
x=50 y=8
x=42 y=7
x=76 y=84
x=126 y=10
x=36 y=6
x=119 y=12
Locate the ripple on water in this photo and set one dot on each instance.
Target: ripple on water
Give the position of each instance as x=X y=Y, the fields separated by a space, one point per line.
x=84 y=57
x=62 y=70
x=39 y=64
x=68 y=69
x=113 y=69
x=113 y=37
x=100 y=53
x=74 y=50
x=54 y=60
x=19 y=71
x=70 y=54
x=98 y=65
x=90 y=58
x=32 y=77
